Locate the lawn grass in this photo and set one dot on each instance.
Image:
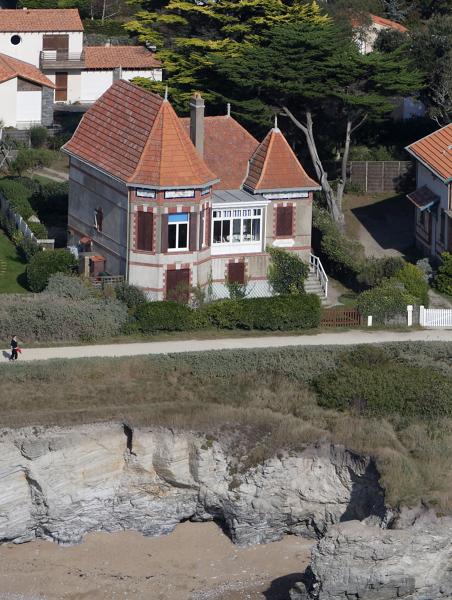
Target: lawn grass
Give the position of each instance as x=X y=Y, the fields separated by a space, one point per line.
x=262 y=401
x=12 y=268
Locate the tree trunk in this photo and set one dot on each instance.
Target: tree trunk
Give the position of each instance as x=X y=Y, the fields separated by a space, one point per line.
x=331 y=198
x=343 y=180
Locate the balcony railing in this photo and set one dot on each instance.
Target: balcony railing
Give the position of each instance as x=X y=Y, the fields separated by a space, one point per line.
x=61 y=59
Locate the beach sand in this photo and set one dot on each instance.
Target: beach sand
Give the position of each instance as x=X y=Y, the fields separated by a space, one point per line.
x=195 y=562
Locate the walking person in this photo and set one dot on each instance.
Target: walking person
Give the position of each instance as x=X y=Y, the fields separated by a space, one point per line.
x=14 y=345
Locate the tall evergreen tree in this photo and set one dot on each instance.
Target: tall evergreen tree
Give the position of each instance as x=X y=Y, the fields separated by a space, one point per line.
x=189 y=34
x=314 y=73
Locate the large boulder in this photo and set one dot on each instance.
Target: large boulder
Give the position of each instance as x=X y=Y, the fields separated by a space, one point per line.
x=354 y=561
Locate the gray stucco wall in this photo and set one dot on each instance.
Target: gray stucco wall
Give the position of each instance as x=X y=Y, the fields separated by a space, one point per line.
x=47 y=106
x=89 y=190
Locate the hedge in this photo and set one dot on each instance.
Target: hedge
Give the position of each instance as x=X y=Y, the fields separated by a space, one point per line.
x=167 y=316
x=18 y=197
x=384 y=301
x=45 y=263
x=48 y=317
x=39 y=230
x=274 y=313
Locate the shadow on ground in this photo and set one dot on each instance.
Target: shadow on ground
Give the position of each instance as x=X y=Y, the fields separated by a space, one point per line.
x=390 y=222
x=279 y=588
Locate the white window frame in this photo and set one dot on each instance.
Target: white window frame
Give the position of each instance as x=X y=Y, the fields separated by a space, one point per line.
x=231 y=214
x=177 y=224
x=179 y=194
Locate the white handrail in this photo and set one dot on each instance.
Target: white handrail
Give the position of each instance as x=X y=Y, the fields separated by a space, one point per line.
x=316 y=264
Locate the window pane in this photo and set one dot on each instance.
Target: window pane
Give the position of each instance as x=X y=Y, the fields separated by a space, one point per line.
x=183 y=235
x=178 y=218
x=256 y=236
x=256 y=212
x=172 y=236
x=246 y=230
x=226 y=231
x=217 y=232
x=236 y=230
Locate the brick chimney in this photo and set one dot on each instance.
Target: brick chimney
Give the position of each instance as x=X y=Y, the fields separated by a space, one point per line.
x=197 y=122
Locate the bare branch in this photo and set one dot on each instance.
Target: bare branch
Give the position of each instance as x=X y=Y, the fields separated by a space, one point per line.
x=294 y=120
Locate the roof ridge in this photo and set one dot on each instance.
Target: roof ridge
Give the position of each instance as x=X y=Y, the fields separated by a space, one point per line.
x=157 y=120
x=271 y=135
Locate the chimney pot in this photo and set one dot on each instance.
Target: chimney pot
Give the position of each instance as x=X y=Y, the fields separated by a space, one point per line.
x=197 y=122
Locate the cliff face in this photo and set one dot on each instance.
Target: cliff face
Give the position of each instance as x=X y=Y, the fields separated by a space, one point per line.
x=355 y=561
x=62 y=483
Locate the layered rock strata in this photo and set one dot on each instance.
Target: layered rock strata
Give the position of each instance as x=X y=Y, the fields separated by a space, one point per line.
x=62 y=483
x=354 y=561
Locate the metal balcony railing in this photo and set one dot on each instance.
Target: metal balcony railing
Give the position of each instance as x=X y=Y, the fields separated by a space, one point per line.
x=61 y=59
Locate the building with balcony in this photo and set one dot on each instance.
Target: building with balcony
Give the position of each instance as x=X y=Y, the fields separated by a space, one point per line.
x=51 y=40
x=171 y=203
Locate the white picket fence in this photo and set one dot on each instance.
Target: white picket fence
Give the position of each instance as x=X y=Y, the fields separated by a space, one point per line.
x=435 y=317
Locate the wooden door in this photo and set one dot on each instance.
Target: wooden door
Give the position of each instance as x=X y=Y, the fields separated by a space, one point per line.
x=61 y=87
x=236 y=272
x=178 y=285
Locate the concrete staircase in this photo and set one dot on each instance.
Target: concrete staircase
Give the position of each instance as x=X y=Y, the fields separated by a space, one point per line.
x=312 y=286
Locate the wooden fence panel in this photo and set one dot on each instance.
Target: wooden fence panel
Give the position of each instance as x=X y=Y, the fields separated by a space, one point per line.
x=378 y=176
x=340 y=317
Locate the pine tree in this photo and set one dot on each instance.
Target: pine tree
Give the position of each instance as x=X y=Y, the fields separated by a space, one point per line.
x=188 y=35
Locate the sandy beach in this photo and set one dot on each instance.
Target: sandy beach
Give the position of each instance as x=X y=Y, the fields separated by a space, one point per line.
x=195 y=562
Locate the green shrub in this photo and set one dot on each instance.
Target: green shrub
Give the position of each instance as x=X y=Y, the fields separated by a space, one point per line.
x=340 y=256
x=443 y=281
x=236 y=290
x=413 y=280
x=167 y=316
x=48 y=317
x=385 y=301
x=39 y=230
x=38 y=136
x=130 y=295
x=374 y=270
x=18 y=197
x=45 y=263
x=69 y=286
x=386 y=389
x=26 y=247
x=287 y=272
x=276 y=313
x=30 y=159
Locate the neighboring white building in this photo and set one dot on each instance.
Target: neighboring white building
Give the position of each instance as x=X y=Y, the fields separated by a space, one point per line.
x=26 y=95
x=367 y=31
x=433 y=195
x=52 y=41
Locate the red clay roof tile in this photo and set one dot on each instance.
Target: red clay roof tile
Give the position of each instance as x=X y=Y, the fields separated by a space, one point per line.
x=227 y=149
x=274 y=166
x=12 y=67
x=435 y=150
x=135 y=135
x=20 y=20
x=128 y=57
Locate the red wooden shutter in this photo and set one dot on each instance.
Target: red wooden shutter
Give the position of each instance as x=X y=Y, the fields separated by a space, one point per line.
x=144 y=231
x=60 y=87
x=192 y=233
x=236 y=272
x=284 y=220
x=202 y=224
x=164 y=233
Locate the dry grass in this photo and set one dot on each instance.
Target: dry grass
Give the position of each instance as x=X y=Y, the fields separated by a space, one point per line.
x=259 y=402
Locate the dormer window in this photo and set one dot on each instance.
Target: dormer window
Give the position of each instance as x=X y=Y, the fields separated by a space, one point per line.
x=15 y=39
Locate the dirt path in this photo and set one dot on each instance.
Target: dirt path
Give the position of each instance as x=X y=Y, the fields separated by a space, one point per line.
x=195 y=562
x=136 y=349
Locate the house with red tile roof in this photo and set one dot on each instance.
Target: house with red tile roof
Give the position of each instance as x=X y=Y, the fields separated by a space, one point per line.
x=368 y=29
x=23 y=90
x=172 y=203
x=433 y=195
x=51 y=40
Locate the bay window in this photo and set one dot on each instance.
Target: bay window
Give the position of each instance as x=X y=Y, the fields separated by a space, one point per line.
x=237 y=225
x=178 y=231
